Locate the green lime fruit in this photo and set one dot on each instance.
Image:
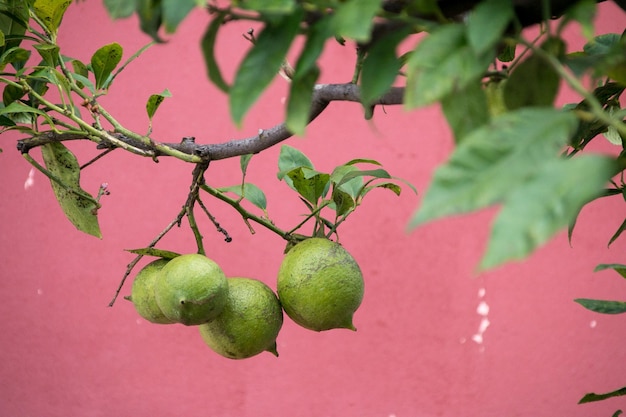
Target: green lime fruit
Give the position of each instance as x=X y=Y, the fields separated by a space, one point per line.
x=191 y=289
x=249 y=324
x=320 y=285
x=142 y=293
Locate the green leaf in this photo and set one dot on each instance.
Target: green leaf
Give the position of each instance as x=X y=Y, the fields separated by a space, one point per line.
x=300 y=99
x=291 y=158
x=14 y=16
x=442 y=62
x=104 y=61
x=79 y=207
x=208 y=51
x=306 y=73
x=155 y=101
x=150 y=14
x=619 y=268
x=537 y=209
x=591 y=397
x=244 y=160
x=262 y=63
x=159 y=253
x=49 y=53
x=618 y=232
x=363 y=161
x=583 y=12
x=533 y=83
x=80 y=68
x=352 y=186
x=354 y=18
x=466 y=110
x=51 y=12
x=15 y=56
x=381 y=66
x=316 y=38
x=250 y=192
x=11 y=93
x=20 y=108
x=310 y=184
x=119 y=9
x=494 y=160
x=602 y=306
x=375 y=173
x=174 y=11
x=267 y=6
x=392 y=186
x=343 y=201
x=487 y=22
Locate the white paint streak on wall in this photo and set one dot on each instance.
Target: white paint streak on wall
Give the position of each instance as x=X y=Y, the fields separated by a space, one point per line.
x=30 y=180
x=483 y=312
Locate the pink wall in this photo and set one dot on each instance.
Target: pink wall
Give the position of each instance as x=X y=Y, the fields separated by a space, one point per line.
x=65 y=353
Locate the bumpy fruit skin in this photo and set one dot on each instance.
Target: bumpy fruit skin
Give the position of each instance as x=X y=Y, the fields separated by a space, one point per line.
x=191 y=289
x=320 y=285
x=249 y=324
x=142 y=293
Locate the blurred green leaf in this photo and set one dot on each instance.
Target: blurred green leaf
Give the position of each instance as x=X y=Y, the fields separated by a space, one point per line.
x=174 y=11
x=533 y=83
x=487 y=22
x=602 y=306
x=267 y=6
x=583 y=12
x=51 y=12
x=262 y=63
x=208 y=51
x=155 y=101
x=159 y=253
x=300 y=99
x=104 y=61
x=381 y=66
x=591 y=397
x=537 y=209
x=442 y=62
x=494 y=160
x=150 y=13
x=466 y=109
x=619 y=268
x=119 y=9
x=79 y=207
x=250 y=192
x=354 y=18
x=310 y=184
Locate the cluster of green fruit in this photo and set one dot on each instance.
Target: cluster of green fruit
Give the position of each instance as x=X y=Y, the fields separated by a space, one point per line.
x=319 y=286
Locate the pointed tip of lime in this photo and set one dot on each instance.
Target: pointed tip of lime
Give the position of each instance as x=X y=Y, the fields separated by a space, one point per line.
x=273 y=350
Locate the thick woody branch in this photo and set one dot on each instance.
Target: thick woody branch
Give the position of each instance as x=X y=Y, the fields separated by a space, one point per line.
x=323 y=95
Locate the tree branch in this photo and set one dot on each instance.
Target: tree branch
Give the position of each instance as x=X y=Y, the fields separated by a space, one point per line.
x=323 y=95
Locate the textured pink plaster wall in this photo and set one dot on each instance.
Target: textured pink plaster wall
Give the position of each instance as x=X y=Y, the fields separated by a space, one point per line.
x=65 y=353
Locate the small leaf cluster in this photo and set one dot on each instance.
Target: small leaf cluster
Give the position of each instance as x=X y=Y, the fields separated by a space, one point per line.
x=605 y=307
x=341 y=191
